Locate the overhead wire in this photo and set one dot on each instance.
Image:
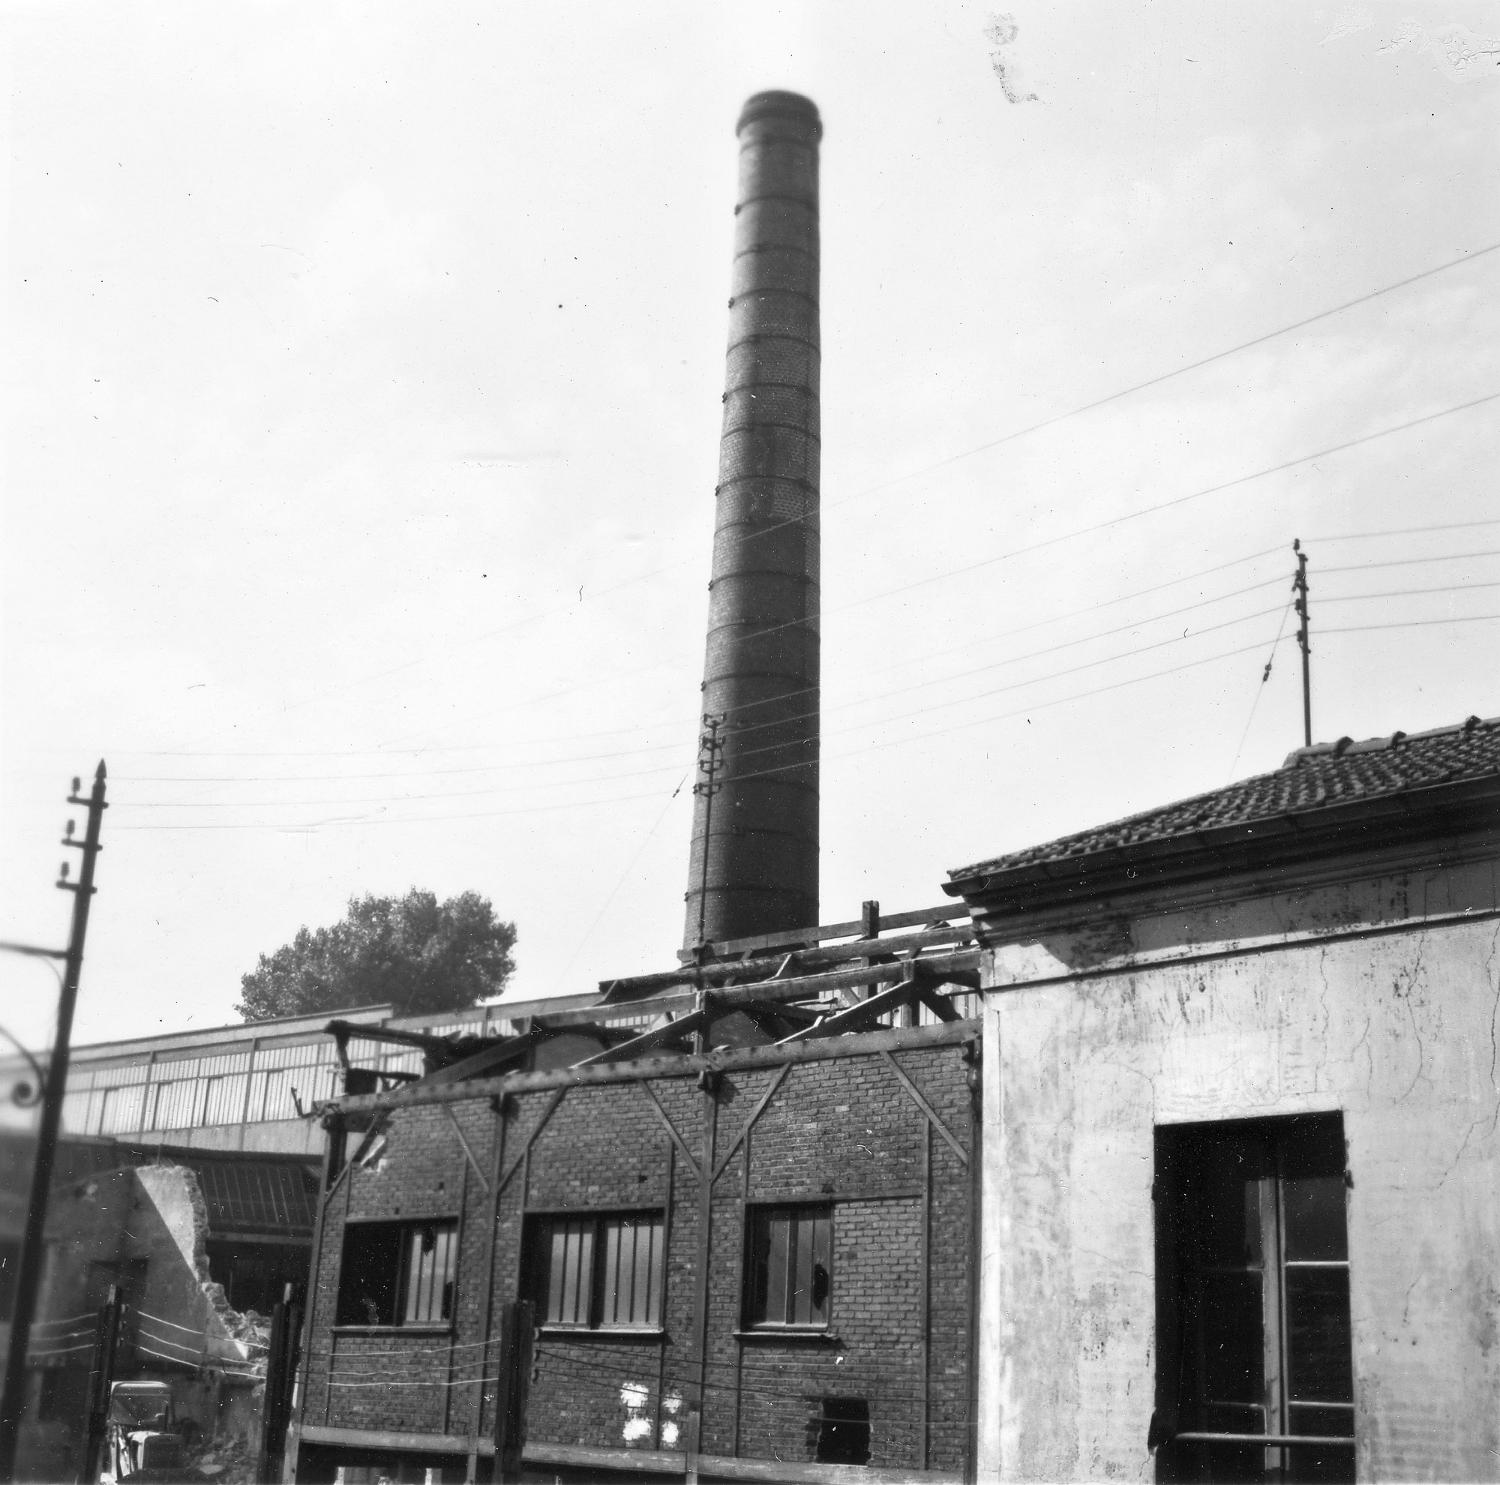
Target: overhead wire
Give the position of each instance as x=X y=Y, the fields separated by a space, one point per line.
x=745 y=729
x=1010 y=437
x=1260 y=690
x=65 y=1320
x=742 y=729
x=1029 y=710
x=1407 y=562
x=423 y=750
x=1040 y=623
x=474 y=815
x=1111 y=522
x=1410 y=624
x=587 y=933
x=1012 y=685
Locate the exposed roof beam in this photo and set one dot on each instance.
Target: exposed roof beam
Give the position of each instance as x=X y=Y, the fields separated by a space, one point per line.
x=659 y=1036
x=858 y=1015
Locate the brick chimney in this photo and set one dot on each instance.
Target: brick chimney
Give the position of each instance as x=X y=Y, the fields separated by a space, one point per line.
x=753 y=866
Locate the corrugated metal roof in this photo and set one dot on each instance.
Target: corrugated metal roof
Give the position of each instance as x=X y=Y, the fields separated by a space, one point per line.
x=1324 y=776
x=245 y=1196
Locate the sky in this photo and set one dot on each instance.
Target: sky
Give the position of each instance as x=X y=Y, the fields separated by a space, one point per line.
x=363 y=366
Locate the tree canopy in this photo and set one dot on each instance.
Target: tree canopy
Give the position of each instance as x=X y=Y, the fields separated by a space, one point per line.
x=415 y=952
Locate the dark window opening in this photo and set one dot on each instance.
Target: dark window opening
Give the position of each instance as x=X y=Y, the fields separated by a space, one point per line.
x=789 y=1266
x=255 y=1275
x=597 y=1272
x=844 y=1431
x=1253 y=1301
x=397 y=1273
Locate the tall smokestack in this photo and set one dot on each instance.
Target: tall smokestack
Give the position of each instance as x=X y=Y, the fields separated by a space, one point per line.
x=754 y=857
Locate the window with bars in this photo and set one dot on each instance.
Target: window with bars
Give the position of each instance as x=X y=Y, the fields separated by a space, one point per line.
x=599 y=1271
x=398 y=1273
x=1253 y=1302
x=788 y=1266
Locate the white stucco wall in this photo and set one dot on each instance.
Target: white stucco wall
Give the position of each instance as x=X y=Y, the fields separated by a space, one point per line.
x=1378 y=999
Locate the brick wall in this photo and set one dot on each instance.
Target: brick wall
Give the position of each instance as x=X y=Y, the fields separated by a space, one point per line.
x=845 y=1131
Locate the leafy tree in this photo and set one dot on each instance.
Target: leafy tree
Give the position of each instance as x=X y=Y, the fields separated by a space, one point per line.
x=415 y=952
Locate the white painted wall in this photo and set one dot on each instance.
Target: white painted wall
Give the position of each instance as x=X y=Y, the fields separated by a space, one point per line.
x=1377 y=998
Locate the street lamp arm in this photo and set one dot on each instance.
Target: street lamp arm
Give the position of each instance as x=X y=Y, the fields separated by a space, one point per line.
x=26 y=1098
x=33 y=950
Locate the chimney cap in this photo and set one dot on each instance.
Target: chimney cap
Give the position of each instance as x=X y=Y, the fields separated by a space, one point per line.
x=786 y=105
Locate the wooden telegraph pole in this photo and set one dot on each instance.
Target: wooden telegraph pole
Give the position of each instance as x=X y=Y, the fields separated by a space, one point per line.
x=29 y=1266
x=1299 y=586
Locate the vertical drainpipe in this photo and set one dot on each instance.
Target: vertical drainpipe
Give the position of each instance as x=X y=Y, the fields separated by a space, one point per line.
x=753 y=865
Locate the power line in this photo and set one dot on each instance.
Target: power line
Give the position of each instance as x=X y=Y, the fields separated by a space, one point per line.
x=473 y=815
x=1034 y=655
x=1412 y=623
x=1017 y=685
x=1408 y=562
x=969 y=453
x=1151 y=510
x=309 y=827
x=588 y=932
x=924 y=711
x=426 y=773
x=424 y=750
x=1403 y=531
x=747 y=706
x=750 y=727
x=754 y=727
x=527 y=788
x=1167 y=376
x=1260 y=690
x=1402 y=593
x=673 y=747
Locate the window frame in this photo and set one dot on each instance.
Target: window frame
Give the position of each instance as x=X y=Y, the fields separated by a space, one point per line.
x=443 y=1283
x=1204 y=1176
x=540 y=1265
x=759 y=1215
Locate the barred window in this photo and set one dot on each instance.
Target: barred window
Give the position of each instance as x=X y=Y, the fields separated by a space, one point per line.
x=598 y=1272
x=789 y=1266
x=398 y=1273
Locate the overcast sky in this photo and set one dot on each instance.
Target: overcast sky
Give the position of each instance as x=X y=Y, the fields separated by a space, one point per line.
x=363 y=414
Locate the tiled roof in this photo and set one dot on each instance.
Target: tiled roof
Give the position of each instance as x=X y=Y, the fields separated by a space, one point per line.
x=1324 y=776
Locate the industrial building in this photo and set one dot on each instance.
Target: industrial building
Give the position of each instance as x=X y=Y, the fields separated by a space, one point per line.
x=739 y=1245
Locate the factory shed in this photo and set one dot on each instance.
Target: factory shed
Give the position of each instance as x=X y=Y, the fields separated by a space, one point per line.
x=1241 y=1107
x=745 y=1235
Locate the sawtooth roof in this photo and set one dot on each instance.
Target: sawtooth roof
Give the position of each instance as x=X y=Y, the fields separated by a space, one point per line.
x=1322 y=777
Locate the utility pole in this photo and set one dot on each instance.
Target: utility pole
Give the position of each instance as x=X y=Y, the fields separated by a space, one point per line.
x=1299 y=586
x=29 y=1266
x=101 y=1375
